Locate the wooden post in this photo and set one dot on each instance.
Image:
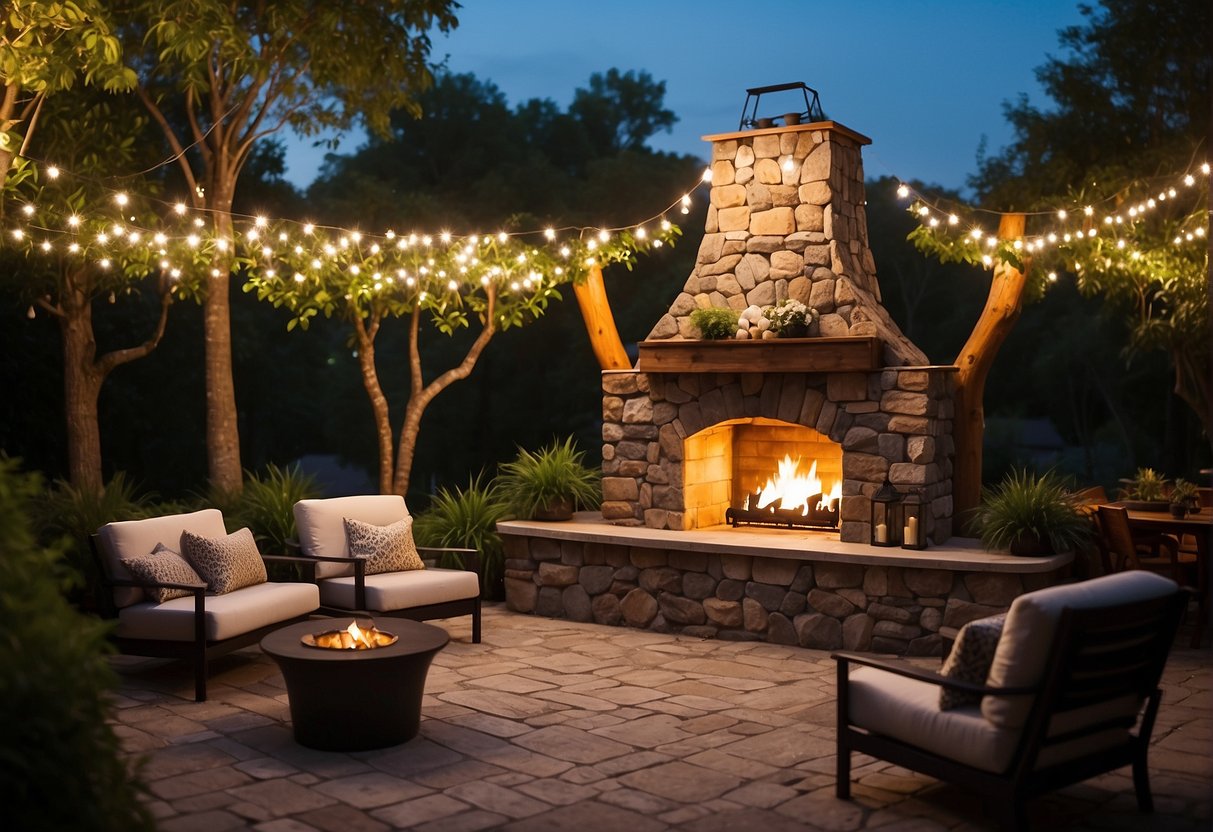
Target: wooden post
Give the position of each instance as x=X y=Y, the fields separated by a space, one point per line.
x=1002 y=309
x=600 y=323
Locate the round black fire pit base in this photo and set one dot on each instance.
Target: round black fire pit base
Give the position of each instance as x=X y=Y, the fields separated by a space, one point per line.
x=355 y=700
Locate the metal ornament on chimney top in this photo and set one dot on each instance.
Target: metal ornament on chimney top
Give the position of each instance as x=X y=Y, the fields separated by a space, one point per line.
x=812 y=112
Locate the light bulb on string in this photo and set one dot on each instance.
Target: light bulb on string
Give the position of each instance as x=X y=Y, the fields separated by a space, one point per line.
x=902 y=191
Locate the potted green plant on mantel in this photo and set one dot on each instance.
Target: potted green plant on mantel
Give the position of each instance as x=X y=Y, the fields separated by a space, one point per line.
x=715 y=324
x=1183 y=498
x=549 y=484
x=1147 y=491
x=1027 y=514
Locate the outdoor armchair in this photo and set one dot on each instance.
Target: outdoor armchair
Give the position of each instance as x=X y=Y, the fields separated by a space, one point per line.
x=1072 y=692
x=346 y=537
x=168 y=611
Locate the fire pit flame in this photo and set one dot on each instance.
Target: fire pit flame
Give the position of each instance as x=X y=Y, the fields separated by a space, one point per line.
x=352 y=637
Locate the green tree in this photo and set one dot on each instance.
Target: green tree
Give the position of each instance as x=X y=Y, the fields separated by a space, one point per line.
x=236 y=73
x=621 y=111
x=1130 y=104
x=44 y=48
x=73 y=266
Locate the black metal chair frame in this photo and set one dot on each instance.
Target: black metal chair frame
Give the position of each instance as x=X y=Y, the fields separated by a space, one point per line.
x=200 y=650
x=1098 y=655
x=446 y=609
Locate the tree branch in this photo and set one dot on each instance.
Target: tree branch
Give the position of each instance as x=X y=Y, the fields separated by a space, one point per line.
x=171 y=135
x=116 y=358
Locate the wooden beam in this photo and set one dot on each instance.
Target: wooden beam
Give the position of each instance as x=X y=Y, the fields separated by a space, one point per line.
x=779 y=355
x=600 y=323
x=1002 y=309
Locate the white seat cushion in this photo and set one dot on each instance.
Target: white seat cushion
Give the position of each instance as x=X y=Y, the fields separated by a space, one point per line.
x=402 y=590
x=226 y=615
x=1031 y=624
x=320 y=525
x=137 y=538
x=908 y=710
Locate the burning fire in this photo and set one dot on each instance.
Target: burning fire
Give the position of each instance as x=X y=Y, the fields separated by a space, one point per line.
x=789 y=489
x=352 y=637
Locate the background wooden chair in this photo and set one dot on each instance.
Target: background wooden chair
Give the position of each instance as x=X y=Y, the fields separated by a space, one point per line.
x=1063 y=700
x=1127 y=551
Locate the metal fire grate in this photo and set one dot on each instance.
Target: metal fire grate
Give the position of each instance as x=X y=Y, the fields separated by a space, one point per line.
x=819 y=516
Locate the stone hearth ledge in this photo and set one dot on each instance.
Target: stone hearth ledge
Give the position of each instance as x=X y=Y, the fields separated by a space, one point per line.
x=958 y=554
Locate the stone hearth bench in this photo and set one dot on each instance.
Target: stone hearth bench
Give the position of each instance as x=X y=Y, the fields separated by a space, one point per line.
x=763 y=584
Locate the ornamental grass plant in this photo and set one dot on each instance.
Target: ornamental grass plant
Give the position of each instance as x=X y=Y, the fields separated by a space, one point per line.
x=1029 y=514
x=537 y=481
x=467 y=518
x=715 y=324
x=267 y=505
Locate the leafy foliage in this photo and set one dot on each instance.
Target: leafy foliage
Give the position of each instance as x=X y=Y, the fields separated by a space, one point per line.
x=60 y=761
x=467 y=518
x=533 y=480
x=266 y=505
x=1147 y=485
x=1025 y=505
x=715 y=323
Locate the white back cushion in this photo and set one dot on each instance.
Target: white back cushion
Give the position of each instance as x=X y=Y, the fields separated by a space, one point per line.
x=136 y=538
x=1031 y=626
x=320 y=525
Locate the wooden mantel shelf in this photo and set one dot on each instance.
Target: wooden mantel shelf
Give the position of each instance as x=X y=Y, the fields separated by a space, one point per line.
x=776 y=355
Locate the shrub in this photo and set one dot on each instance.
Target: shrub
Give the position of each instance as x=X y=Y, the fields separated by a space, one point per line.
x=537 y=480
x=467 y=518
x=75 y=514
x=59 y=757
x=1148 y=486
x=715 y=324
x=1025 y=507
x=267 y=505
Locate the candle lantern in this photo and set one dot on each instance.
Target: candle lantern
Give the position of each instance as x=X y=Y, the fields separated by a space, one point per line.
x=914 y=530
x=886 y=516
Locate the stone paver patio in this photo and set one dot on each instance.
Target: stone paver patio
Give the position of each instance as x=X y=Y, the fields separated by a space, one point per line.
x=555 y=725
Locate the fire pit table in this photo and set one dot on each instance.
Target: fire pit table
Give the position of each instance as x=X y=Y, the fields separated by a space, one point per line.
x=354 y=700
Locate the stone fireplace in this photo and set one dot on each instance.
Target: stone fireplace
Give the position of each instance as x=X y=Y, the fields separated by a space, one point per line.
x=699 y=426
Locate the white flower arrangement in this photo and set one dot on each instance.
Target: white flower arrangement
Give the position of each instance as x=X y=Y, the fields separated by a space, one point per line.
x=790 y=314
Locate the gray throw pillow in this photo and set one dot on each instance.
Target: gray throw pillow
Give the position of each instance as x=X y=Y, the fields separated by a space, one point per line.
x=226 y=563
x=970 y=659
x=385 y=548
x=163 y=565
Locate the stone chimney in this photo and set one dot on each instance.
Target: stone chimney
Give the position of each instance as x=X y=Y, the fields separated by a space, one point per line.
x=787 y=219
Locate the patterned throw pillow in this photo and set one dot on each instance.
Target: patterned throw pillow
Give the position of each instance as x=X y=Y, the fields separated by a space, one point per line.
x=970 y=659
x=385 y=548
x=225 y=563
x=163 y=565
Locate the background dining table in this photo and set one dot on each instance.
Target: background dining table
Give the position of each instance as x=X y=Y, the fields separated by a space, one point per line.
x=1199 y=525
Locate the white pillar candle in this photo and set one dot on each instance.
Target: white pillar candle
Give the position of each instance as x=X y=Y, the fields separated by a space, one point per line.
x=882 y=533
x=910 y=533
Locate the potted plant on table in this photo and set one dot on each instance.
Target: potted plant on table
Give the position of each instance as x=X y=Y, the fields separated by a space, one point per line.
x=1183 y=498
x=549 y=484
x=1027 y=514
x=1147 y=491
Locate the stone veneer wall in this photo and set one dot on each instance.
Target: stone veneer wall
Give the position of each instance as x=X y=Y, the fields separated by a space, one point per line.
x=896 y=423
x=821 y=605
x=786 y=219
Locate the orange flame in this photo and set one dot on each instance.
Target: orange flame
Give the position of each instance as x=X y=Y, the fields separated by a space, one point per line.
x=795 y=489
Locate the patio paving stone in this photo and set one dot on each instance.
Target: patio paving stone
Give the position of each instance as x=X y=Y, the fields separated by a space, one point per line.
x=555 y=725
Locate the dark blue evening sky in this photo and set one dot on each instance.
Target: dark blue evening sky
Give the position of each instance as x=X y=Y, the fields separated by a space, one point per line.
x=924 y=80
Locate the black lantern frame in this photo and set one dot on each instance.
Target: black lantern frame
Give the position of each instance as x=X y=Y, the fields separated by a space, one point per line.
x=914 y=531
x=886 y=516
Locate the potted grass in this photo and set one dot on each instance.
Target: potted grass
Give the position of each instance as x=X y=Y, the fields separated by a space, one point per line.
x=1183 y=498
x=1027 y=514
x=1147 y=491
x=550 y=483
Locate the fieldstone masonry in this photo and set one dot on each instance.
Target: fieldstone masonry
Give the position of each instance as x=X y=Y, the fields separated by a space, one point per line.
x=821 y=605
x=786 y=219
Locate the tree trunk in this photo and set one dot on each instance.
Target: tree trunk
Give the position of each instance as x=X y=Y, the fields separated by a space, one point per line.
x=421 y=394
x=600 y=323
x=222 y=419
x=379 y=407
x=81 y=390
x=1002 y=309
